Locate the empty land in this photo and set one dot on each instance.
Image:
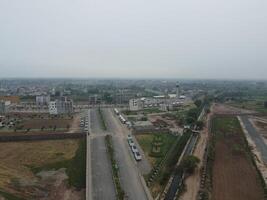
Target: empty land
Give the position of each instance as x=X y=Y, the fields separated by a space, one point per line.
x=234 y=176
x=41 y=170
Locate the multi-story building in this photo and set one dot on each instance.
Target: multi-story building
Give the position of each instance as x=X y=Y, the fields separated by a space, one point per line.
x=4 y=106
x=136 y=104
x=61 y=106
x=42 y=100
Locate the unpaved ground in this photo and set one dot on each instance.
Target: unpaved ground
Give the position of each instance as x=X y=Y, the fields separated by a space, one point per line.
x=171 y=123
x=234 y=176
x=229 y=110
x=75 y=124
x=17 y=158
x=47 y=123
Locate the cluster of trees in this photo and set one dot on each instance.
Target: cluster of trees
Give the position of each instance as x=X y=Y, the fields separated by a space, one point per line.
x=192 y=114
x=189 y=164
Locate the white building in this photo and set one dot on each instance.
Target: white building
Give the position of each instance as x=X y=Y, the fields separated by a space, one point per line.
x=4 y=106
x=136 y=104
x=61 y=106
x=42 y=100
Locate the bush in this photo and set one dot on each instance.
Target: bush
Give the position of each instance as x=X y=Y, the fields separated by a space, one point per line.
x=189 y=163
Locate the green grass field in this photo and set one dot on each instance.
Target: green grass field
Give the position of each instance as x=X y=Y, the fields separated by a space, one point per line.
x=146 y=142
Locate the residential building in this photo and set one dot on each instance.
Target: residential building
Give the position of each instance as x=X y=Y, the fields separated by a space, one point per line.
x=61 y=106
x=136 y=104
x=42 y=100
x=4 y=106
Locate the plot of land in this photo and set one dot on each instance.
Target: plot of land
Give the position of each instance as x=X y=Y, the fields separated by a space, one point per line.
x=146 y=142
x=34 y=170
x=234 y=175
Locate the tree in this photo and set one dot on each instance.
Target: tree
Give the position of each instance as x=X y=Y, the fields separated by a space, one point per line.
x=189 y=164
x=198 y=103
x=200 y=125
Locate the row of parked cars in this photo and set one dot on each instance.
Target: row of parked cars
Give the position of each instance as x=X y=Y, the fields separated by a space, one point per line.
x=134 y=149
x=84 y=123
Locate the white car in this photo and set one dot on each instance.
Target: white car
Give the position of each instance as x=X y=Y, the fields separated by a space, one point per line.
x=129 y=137
x=137 y=156
x=134 y=149
x=131 y=142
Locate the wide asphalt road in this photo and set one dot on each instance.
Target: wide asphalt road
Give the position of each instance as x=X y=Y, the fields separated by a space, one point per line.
x=128 y=171
x=102 y=183
x=256 y=137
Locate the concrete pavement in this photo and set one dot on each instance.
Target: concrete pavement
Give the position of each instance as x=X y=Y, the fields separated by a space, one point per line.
x=103 y=186
x=131 y=179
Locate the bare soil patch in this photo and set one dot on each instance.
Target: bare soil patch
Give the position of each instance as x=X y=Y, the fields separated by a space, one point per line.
x=234 y=175
x=18 y=159
x=229 y=110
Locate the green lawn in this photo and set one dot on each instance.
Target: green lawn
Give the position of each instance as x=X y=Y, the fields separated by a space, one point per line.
x=146 y=142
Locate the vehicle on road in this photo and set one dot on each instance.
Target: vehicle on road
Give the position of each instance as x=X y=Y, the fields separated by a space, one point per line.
x=122 y=119
x=134 y=149
x=116 y=111
x=129 y=137
x=137 y=156
x=131 y=142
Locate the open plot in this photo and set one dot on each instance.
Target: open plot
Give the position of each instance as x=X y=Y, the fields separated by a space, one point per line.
x=40 y=170
x=39 y=123
x=234 y=176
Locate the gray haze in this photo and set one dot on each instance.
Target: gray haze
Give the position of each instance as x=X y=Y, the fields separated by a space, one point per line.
x=134 y=38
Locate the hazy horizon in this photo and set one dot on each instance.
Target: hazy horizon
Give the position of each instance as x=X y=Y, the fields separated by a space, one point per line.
x=134 y=39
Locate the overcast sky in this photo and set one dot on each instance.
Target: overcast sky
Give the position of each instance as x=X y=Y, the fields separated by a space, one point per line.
x=134 y=38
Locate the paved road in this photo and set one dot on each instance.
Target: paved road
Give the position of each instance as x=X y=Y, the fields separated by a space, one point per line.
x=129 y=175
x=256 y=137
x=103 y=186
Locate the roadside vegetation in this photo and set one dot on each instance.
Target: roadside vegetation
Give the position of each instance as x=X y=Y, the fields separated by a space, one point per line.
x=102 y=119
x=115 y=170
x=163 y=168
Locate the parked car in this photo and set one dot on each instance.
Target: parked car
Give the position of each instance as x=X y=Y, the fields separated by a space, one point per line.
x=129 y=137
x=134 y=149
x=131 y=142
x=137 y=156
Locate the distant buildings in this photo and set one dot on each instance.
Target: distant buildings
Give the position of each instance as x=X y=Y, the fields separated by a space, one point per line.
x=61 y=106
x=4 y=106
x=136 y=104
x=42 y=100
